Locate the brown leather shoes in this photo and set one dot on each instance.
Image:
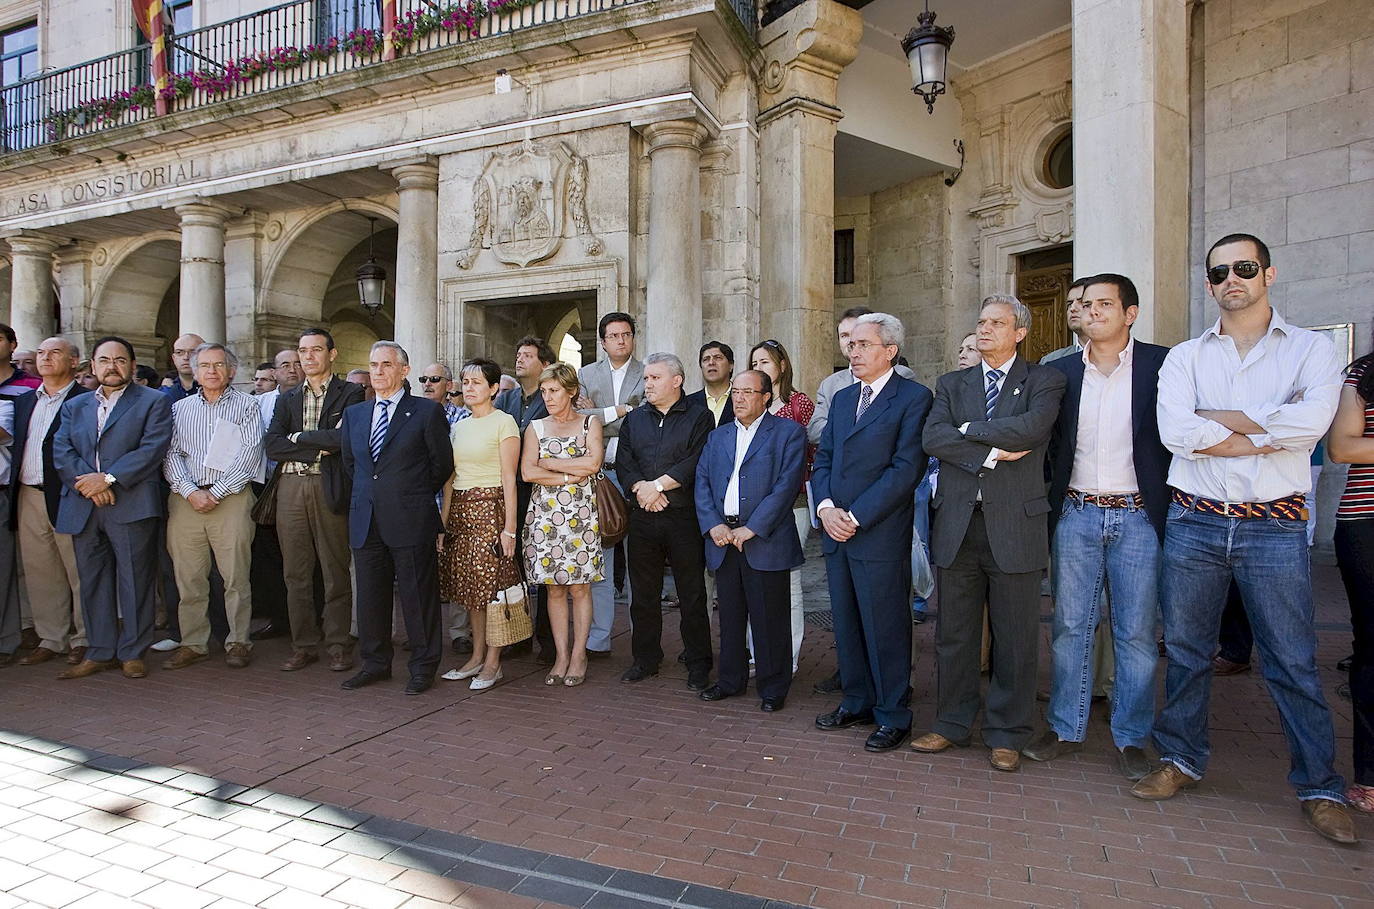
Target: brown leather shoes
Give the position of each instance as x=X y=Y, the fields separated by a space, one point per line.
x=1223 y=666
x=934 y=743
x=1331 y=819
x=341 y=660
x=76 y=655
x=299 y=660
x=134 y=669
x=237 y=656
x=1163 y=783
x=1007 y=760
x=1048 y=745
x=87 y=667
x=41 y=655
x=184 y=657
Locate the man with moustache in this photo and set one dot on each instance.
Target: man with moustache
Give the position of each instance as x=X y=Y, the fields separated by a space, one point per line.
x=109 y=452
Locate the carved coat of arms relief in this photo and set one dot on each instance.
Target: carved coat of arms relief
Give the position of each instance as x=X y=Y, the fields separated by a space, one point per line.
x=522 y=201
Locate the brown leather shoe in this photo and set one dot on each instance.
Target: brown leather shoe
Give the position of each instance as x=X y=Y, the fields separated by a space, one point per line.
x=237 y=656
x=1048 y=745
x=934 y=743
x=87 y=667
x=76 y=655
x=28 y=639
x=299 y=660
x=340 y=661
x=184 y=657
x=1007 y=760
x=1163 y=783
x=1331 y=819
x=41 y=655
x=134 y=669
x=1223 y=666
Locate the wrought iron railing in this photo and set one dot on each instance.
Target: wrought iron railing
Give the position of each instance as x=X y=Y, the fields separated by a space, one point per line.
x=295 y=42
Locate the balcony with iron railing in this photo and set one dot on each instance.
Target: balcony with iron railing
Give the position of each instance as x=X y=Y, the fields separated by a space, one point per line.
x=289 y=44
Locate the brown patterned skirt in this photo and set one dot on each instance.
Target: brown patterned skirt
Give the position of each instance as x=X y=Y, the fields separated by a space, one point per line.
x=470 y=572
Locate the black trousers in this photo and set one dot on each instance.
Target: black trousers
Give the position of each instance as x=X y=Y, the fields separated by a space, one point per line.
x=1013 y=602
x=1355 y=555
x=762 y=599
x=670 y=536
x=1235 y=641
x=414 y=571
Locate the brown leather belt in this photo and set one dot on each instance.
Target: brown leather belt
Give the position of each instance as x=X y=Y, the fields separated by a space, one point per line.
x=1119 y=500
x=1289 y=508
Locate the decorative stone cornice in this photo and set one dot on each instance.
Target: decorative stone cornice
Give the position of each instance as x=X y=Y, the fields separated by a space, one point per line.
x=673 y=134
x=805 y=49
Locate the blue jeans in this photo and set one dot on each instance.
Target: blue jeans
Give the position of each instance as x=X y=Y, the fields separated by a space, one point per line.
x=1268 y=559
x=1118 y=546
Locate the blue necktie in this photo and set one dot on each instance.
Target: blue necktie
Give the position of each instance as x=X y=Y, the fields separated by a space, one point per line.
x=379 y=432
x=865 y=399
x=994 y=376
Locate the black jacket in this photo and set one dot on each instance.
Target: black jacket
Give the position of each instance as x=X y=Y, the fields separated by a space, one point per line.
x=287 y=418
x=1151 y=458
x=653 y=443
x=52 y=483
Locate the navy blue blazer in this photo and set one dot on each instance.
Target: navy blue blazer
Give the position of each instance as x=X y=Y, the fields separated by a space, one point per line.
x=1151 y=458
x=871 y=468
x=398 y=490
x=132 y=447
x=769 y=480
x=52 y=484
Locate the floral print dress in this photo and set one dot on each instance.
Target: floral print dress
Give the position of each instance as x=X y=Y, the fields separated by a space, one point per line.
x=562 y=534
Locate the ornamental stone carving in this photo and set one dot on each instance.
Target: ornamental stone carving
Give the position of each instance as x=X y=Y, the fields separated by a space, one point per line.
x=522 y=202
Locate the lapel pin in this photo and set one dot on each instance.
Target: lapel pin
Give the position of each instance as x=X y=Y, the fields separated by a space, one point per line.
x=1015 y=392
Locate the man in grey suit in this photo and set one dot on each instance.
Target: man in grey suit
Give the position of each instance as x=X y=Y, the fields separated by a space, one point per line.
x=990 y=428
x=109 y=452
x=611 y=388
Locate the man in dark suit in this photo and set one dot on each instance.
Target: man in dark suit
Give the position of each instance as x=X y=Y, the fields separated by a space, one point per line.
x=312 y=504
x=864 y=479
x=48 y=558
x=108 y=452
x=717 y=362
x=747 y=478
x=990 y=427
x=397 y=454
x=1110 y=476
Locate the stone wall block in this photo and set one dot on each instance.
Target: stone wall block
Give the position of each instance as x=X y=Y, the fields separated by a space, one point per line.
x=1217 y=193
x=1362 y=251
x=1247 y=53
x=1294 y=85
x=1336 y=121
x=1266 y=220
x=1247 y=145
x=1362 y=65
x=1216 y=110
x=1331 y=212
x=1292 y=176
x=1245 y=12
x=1312 y=260
x=1333 y=24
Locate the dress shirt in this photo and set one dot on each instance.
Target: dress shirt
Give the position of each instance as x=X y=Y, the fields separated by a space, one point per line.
x=391 y=410
x=877 y=385
x=193 y=426
x=1288 y=384
x=1104 y=451
x=45 y=408
x=7 y=448
x=453 y=413
x=610 y=414
x=716 y=403
x=744 y=437
x=267 y=403
x=990 y=462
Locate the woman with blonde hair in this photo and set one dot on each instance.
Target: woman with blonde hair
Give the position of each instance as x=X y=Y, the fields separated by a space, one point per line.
x=562 y=546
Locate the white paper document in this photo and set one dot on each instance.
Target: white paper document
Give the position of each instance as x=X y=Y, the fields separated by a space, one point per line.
x=225 y=444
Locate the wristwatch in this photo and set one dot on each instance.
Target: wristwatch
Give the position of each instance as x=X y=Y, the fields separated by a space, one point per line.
x=658 y=484
x=110 y=479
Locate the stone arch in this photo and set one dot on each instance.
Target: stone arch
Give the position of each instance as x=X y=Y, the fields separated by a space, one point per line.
x=129 y=300
x=302 y=267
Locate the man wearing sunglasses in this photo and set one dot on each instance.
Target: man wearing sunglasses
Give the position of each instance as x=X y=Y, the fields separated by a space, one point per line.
x=1241 y=408
x=436 y=383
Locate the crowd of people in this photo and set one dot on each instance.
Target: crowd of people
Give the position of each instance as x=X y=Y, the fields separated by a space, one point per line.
x=1152 y=484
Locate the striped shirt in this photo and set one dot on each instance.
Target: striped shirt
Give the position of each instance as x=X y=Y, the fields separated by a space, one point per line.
x=1358 y=499
x=193 y=426
x=45 y=410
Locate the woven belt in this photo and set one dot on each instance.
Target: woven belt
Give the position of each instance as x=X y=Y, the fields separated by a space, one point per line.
x=1121 y=500
x=1289 y=508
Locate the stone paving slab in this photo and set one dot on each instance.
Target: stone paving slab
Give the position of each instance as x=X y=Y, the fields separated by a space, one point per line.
x=611 y=779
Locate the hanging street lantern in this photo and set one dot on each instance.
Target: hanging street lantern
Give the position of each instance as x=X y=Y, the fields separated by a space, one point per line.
x=927 y=50
x=371 y=277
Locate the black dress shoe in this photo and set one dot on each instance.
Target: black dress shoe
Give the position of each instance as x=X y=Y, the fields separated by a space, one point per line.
x=715 y=694
x=772 y=705
x=843 y=719
x=886 y=738
x=419 y=684
x=638 y=673
x=364 y=678
x=267 y=632
x=698 y=679
x=828 y=685
x=598 y=654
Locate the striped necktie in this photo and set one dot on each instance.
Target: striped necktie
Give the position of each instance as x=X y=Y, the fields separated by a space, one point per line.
x=379 y=431
x=865 y=399
x=994 y=376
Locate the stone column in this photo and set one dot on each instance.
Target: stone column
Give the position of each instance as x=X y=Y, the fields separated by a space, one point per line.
x=805 y=48
x=202 y=270
x=31 y=288
x=417 y=260
x=243 y=241
x=672 y=321
x=1130 y=85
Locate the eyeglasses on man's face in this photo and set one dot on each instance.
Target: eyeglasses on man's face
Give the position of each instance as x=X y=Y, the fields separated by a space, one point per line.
x=1245 y=269
x=747 y=392
x=863 y=346
x=430 y=380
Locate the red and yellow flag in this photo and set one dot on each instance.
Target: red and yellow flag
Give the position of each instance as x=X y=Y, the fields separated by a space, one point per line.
x=388 y=26
x=151 y=20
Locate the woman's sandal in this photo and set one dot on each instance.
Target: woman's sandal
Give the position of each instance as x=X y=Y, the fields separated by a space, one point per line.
x=573 y=681
x=553 y=679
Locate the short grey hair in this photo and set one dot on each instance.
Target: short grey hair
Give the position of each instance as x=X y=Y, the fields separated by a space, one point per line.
x=1019 y=309
x=890 y=328
x=392 y=345
x=674 y=364
x=448 y=373
x=229 y=356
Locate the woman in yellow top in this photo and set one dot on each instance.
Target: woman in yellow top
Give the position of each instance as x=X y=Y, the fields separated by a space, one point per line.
x=479 y=516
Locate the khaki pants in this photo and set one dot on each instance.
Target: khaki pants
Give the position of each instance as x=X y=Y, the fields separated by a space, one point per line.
x=308 y=532
x=192 y=537
x=49 y=576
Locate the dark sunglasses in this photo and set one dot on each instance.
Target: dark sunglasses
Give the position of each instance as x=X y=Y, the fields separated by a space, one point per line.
x=1245 y=269
x=428 y=380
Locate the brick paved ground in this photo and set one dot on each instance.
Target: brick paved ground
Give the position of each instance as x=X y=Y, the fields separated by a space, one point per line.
x=650 y=779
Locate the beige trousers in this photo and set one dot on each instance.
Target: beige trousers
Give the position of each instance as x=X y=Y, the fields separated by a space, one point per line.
x=227 y=533
x=50 y=578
